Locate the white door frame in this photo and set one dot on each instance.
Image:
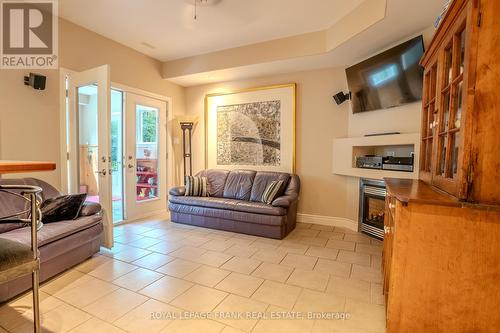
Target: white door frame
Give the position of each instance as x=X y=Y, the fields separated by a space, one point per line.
x=101 y=76
x=153 y=206
x=64 y=156
x=170 y=118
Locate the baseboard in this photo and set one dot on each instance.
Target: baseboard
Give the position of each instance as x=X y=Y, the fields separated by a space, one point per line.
x=328 y=220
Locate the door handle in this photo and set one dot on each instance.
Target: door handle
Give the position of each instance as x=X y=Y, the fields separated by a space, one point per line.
x=102 y=172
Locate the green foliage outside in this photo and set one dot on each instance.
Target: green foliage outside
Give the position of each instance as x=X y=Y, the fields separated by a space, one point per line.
x=149 y=123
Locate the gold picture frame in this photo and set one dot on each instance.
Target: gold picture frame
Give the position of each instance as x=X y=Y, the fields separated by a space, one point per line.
x=292 y=86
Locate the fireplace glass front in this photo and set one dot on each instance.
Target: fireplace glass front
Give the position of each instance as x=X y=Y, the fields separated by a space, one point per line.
x=371 y=207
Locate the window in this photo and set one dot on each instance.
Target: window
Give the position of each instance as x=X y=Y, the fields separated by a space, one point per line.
x=147 y=125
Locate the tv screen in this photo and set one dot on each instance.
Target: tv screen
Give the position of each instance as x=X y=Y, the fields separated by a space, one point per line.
x=389 y=79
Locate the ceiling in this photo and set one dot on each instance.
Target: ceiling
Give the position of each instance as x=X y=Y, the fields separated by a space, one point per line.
x=168 y=26
x=166 y=30
x=396 y=27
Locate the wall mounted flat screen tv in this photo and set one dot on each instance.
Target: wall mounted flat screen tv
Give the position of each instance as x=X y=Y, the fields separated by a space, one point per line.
x=389 y=79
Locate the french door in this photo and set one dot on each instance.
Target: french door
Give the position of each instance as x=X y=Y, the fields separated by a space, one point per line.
x=145 y=159
x=88 y=141
x=116 y=147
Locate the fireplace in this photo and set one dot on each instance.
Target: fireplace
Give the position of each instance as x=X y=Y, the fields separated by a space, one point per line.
x=371 y=207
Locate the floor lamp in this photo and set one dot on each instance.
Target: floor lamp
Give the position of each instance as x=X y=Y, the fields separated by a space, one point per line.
x=187 y=128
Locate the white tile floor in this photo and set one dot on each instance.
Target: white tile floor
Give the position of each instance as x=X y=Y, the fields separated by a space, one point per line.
x=163 y=270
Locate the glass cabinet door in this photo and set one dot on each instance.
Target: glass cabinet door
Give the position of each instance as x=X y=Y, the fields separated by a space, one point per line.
x=429 y=121
x=448 y=130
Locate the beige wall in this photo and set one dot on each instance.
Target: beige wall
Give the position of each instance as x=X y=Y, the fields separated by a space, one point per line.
x=80 y=49
x=319 y=120
x=29 y=120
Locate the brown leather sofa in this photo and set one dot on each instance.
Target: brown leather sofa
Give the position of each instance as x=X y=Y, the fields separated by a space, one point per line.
x=234 y=203
x=61 y=244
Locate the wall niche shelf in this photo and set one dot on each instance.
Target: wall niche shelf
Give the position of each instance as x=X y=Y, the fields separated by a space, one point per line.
x=345 y=151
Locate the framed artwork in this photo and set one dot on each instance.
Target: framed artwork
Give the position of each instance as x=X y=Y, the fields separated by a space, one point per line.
x=251 y=129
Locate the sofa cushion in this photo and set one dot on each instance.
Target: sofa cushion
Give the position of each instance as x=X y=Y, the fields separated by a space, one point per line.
x=273 y=190
x=11 y=204
x=48 y=191
x=90 y=208
x=230 y=205
x=197 y=212
x=196 y=186
x=11 y=224
x=64 y=207
x=67 y=246
x=239 y=184
x=216 y=181
x=53 y=231
x=262 y=181
x=13 y=254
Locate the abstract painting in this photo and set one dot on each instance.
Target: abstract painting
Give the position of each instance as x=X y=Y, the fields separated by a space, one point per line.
x=252 y=129
x=249 y=133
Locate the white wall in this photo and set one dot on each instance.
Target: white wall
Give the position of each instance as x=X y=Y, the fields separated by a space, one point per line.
x=404 y=119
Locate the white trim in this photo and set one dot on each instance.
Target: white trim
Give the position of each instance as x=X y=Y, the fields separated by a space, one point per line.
x=125 y=88
x=328 y=220
x=170 y=117
x=63 y=165
x=345 y=150
x=114 y=86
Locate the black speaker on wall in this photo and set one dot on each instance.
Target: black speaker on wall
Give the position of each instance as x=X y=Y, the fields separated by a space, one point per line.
x=341 y=97
x=36 y=81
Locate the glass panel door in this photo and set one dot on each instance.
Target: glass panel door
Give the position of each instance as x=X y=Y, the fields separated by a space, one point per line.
x=88 y=144
x=146 y=156
x=88 y=140
x=117 y=155
x=146 y=128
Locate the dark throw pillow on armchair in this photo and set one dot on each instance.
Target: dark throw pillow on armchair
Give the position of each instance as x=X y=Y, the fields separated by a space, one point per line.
x=64 y=207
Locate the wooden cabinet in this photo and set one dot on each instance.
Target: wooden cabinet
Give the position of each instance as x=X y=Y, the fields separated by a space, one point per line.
x=388 y=240
x=441 y=261
x=460 y=150
x=442 y=233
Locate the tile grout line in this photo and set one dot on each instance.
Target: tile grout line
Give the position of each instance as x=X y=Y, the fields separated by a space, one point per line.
x=200 y=246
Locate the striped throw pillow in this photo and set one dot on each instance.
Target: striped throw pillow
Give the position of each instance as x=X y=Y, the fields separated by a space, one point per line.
x=196 y=186
x=272 y=191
